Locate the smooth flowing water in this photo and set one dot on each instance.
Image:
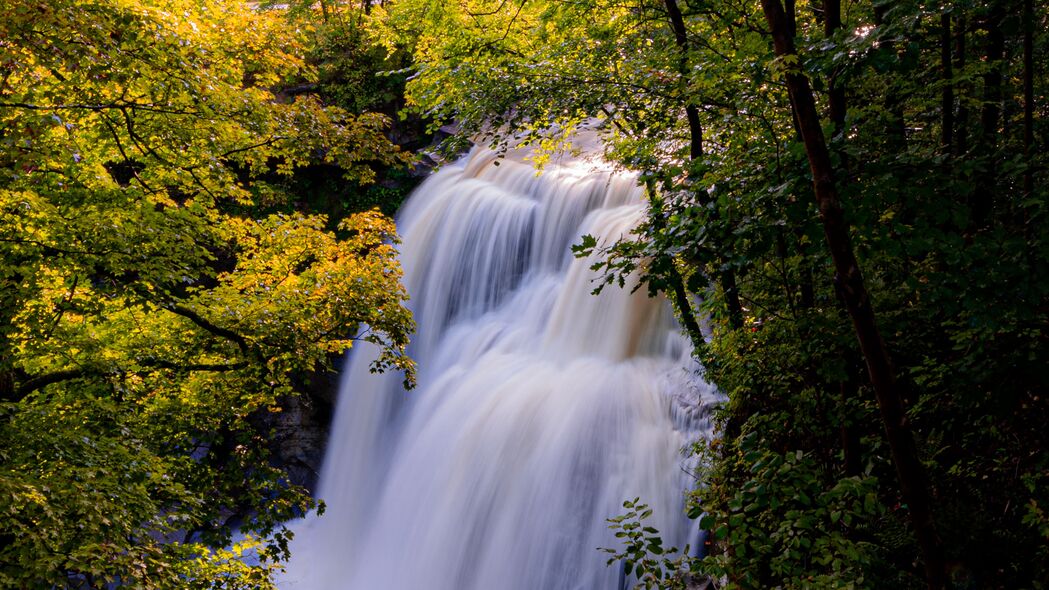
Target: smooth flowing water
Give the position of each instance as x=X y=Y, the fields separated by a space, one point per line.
x=540 y=407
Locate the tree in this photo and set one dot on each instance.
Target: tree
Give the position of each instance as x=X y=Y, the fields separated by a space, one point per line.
x=852 y=289
x=152 y=311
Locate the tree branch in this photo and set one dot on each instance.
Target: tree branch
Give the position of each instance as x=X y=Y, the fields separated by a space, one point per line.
x=40 y=381
x=200 y=321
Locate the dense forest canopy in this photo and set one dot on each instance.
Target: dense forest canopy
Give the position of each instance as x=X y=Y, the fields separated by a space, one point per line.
x=159 y=296
x=849 y=198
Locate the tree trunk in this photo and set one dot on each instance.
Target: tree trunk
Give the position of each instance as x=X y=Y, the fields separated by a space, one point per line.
x=947 y=98
x=836 y=93
x=695 y=127
x=962 y=123
x=727 y=276
x=983 y=196
x=897 y=131
x=1028 y=23
x=678 y=292
x=909 y=469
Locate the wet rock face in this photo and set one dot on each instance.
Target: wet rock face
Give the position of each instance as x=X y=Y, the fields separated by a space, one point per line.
x=298 y=434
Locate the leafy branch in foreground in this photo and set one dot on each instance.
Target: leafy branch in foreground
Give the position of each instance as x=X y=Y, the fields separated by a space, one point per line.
x=643 y=555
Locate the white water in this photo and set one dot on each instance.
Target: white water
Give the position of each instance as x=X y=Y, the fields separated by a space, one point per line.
x=540 y=408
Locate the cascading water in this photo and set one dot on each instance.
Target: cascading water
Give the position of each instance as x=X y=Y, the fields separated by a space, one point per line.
x=540 y=408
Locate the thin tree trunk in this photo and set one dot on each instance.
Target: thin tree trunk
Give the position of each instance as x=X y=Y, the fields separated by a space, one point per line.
x=695 y=127
x=1028 y=22
x=850 y=438
x=909 y=469
x=990 y=116
x=808 y=292
x=695 y=131
x=727 y=277
x=947 y=99
x=992 y=80
x=962 y=124
x=735 y=306
x=836 y=93
x=848 y=389
x=677 y=283
x=897 y=132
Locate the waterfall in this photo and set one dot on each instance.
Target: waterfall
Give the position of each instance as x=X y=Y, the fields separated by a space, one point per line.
x=539 y=409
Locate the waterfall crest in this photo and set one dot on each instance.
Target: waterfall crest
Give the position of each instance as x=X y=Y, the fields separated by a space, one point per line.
x=540 y=408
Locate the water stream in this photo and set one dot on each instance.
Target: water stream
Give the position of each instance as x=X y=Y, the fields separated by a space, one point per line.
x=540 y=408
